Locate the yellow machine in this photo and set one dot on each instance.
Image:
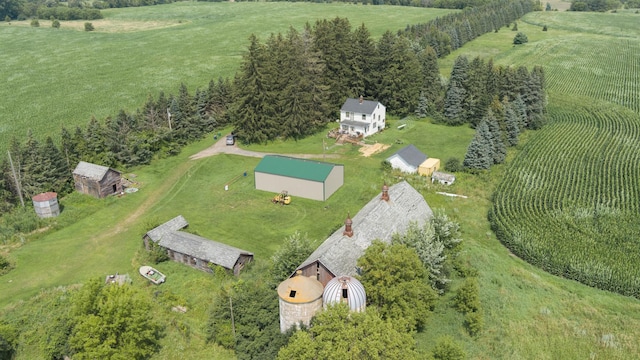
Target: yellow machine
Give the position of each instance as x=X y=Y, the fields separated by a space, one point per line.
x=283 y=198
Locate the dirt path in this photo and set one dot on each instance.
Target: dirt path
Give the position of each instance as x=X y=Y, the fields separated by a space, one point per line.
x=221 y=147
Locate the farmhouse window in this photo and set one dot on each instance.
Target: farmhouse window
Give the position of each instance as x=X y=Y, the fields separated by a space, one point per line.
x=364 y=117
x=346 y=114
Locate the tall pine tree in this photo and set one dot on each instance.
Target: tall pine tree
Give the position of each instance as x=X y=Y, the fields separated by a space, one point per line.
x=479 y=154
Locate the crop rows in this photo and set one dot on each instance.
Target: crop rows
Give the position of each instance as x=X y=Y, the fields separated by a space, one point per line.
x=591 y=69
x=570 y=201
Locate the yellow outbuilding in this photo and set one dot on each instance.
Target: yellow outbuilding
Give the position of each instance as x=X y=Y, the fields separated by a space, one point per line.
x=429 y=166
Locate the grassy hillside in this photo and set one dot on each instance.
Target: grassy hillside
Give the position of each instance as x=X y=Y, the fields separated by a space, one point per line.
x=529 y=314
x=55 y=77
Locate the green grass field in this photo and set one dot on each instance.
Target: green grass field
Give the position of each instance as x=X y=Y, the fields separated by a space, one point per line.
x=55 y=77
x=529 y=314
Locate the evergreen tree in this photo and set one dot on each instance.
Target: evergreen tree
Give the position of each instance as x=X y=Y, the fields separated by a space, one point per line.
x=521 y=111
x=68 y=149
x=479 y=154
x=534 y=98
x=431 y=86
x=333 y=40
x=401 y=79
x=364 y=47
x=57 y=171
x=33 y=168
x=499 y=150
x=95 y=143
x=456 y=92
x=252 y=110
x=512 y=125
x=477 y=98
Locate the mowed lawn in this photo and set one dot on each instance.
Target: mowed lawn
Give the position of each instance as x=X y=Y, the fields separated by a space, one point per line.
x=62 y=77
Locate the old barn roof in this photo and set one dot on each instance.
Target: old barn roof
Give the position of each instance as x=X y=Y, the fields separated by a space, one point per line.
x=364 y=107
x=295 y=168
x=411 y=155
x=91 y=171
x=168 y=236
x=175 y=224
x=378 y=219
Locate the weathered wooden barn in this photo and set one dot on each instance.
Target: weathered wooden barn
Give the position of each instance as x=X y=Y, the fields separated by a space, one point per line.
x=194 y=250
x=97 y=180
x=309 y=179
x=386 y=214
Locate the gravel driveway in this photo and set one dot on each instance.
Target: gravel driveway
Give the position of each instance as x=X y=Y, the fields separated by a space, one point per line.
x=221 y=147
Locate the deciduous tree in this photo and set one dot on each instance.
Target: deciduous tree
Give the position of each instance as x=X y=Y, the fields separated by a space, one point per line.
x=397 y=284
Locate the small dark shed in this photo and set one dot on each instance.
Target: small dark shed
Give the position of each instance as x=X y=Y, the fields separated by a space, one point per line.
x=97 y=180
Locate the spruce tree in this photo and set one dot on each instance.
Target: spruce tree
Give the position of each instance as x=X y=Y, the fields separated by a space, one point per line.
x=456 y=92
x=431 y=84
x=252 y=109
x=33 y=168
x=57 y=173
x=521 y=111
x=534 y=98
x=476 y=98
x=401 y=81
x=512 y=125
x=499 y=149
x=479 y=154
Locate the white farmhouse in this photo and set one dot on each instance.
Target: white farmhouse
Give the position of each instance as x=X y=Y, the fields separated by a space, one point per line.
x=362 y=117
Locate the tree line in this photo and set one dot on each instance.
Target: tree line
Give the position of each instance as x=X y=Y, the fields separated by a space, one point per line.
x=499 y=102
x=160 y=128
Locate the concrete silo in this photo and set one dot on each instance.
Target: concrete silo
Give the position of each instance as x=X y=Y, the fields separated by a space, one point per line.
x=300 y=298
x=345 y=289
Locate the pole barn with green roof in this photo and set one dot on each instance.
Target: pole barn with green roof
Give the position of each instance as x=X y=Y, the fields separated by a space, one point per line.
x=309 y=179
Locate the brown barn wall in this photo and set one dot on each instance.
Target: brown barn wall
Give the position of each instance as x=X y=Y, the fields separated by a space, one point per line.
x=296 y=187
x=318 y=271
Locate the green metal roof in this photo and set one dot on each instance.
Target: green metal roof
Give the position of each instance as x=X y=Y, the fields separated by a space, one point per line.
x=296 y=168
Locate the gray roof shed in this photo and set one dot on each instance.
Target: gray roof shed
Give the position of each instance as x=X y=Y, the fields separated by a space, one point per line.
x=91 y=171
x=411 y=155
x=378 y=219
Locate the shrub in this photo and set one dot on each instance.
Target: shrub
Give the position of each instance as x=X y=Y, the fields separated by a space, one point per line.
x=453 y=165
x=35 y=23
x=7 y=18
x=467 y=300
x=474 y=322
x=88 y=26
x=520 y=38
x=5 y=265
x=448 y=349
x=515 y=27
x=544 y=28
x=55 y=24
x=385 y=166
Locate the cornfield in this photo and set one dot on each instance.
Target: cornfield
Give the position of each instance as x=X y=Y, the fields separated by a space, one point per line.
x=570 y=201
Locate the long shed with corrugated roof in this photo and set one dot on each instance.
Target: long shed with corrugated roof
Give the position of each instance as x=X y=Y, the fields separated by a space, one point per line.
x=306 y=178
x=194 y=250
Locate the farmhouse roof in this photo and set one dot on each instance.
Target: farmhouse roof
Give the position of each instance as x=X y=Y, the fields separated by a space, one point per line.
x=356 y=106
x=91 y=171
x=411 y=155
x=168 y=236
x=296 y=168
x=378 y=219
